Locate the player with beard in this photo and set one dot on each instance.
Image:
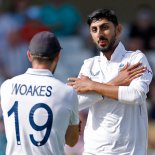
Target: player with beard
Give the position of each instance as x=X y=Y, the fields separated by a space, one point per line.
x=113 y=86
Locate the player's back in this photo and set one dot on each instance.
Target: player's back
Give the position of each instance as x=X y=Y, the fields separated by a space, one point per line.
x=37 y=110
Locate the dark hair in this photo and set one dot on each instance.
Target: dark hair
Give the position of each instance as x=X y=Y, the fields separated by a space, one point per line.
x=44 y=45
x=103 y=13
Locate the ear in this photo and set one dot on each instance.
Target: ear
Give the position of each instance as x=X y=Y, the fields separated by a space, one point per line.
x=57 y=57
x=119 y=29
x=29 y=56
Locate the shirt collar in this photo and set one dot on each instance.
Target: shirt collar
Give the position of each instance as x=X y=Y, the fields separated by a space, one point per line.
x=117 y=54
x=40 y=72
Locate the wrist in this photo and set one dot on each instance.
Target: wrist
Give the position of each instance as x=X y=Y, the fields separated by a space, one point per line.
x=110 y=83
x=113 y=83
x=92 y=86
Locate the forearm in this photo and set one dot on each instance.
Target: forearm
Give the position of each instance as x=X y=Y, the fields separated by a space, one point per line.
x=105 y=90
x=125 y=94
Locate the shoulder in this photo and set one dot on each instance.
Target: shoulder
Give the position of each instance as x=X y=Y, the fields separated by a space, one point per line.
x=70 y=92
x=5 y=83
x=67 y=90
x=91 y=61
x=18 y=77
x=69 y=96
x=90 y=65
x=5 y=86
x=134 y=54
x=9 y=81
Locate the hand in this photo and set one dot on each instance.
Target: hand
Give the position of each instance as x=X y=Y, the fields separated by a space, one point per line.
x=82 y=84
x=127 y=74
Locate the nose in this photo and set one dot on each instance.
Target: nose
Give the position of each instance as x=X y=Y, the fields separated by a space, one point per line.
x=99 y=33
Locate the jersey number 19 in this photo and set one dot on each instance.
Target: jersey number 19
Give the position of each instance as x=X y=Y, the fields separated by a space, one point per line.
x=47 y=125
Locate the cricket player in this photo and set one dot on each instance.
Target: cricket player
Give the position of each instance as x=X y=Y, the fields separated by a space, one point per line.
x=117 y=121
x=40 y=112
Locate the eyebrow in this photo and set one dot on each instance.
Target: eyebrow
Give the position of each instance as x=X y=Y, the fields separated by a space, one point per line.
x=107 y=23
x=99 y=25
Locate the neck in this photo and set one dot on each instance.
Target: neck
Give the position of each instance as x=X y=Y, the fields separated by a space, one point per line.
x=42 y=66
x=109 y=53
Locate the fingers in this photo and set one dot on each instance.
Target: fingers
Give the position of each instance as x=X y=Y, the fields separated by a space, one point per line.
x=140 y=69
x=74 y=82
x=72 y=79
x=71 y=83
x=137 y=71
x=135 y=66
x=135 y=76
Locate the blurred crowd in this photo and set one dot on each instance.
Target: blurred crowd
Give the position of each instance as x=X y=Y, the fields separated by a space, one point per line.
x=20 y=20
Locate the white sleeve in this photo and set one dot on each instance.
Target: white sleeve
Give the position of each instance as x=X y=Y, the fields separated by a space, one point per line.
x=131 y=95
x=74 y=119
x=88 y=99
x=136 y=92
x=86 y=67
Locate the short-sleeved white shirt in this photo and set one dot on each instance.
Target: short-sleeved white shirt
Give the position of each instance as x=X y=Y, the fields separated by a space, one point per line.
x=116 y=127
x=37 y=110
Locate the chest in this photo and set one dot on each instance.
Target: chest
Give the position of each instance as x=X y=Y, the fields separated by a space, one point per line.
x=106 y=71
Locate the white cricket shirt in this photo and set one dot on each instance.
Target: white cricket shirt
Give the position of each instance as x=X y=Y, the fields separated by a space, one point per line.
x=116 y=127
x=37 y=110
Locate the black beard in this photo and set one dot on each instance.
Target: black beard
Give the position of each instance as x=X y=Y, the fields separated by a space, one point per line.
x=109 y=47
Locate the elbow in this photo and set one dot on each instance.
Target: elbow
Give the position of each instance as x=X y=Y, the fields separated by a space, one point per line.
x=72 y=135
x=138 y=97
x=134 y=96
x=71 y=144
x=135 y=100
x=72 y=141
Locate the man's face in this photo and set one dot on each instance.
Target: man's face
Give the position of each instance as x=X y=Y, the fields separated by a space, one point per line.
x=104 y=34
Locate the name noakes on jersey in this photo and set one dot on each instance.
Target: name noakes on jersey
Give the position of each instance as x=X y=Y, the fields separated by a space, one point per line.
x=32 y=90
